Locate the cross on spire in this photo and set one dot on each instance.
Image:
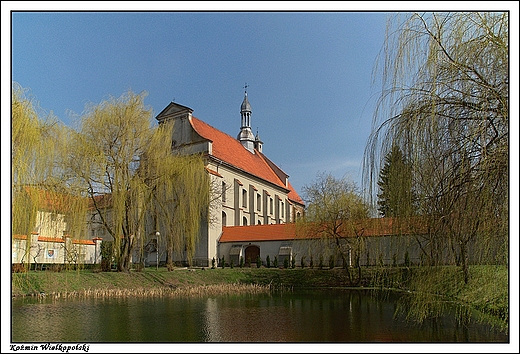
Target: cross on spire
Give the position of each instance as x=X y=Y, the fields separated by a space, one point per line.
x=245 y=87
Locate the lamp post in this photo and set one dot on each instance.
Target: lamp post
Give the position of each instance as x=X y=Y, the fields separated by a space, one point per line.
x=157 y=234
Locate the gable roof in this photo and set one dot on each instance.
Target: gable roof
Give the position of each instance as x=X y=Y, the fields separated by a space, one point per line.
x=231 y=151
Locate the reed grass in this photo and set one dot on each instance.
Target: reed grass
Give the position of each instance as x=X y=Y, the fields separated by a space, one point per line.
x=183 y=291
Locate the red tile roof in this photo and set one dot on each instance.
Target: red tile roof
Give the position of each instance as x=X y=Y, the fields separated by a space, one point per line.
x=280 y=232
x=274 y=232
x=231 y=151
x=56 y=239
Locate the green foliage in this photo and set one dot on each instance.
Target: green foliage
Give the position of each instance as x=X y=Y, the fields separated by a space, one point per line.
x=223 y=262
x=107 y=255
x=213 y=263
x=258 y=262
x=275 y=262
x=268 y=262
x=320 y=264
x=286 y=262
x=241 y=261
x=395 y=185
x=406 y=259
x=311 y=262
x=293 y=262
x=302 y=262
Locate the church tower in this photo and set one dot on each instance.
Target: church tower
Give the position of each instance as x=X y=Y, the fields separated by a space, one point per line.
x=246 y=137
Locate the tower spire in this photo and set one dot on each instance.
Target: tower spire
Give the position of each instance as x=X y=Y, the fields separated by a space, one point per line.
x=246 y=136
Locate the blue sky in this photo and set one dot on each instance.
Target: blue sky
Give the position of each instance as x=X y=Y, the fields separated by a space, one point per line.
x=309 y=73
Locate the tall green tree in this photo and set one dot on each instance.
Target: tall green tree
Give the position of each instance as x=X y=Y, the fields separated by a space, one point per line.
x=395 y=186
x=445 y=102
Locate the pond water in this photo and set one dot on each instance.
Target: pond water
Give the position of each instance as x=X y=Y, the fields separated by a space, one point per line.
x=337 y=316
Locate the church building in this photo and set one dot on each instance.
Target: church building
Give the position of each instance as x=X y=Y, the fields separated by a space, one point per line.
x=253 y=189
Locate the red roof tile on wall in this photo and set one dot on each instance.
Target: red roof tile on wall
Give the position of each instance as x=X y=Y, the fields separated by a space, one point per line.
x=376 y=227
x=273 y=232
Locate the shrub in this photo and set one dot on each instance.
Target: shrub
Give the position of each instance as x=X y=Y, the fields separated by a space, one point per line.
x=213 y=263
x=268 y=262
x=18 y=268
x=241 y=261
x=286 y=262
x=231 y=264
x=320 y=265
x=105 y=265
x=302 y=262
x=311 y=263
x=406 y=259
x=331 y=262
x=293 y=262
x=258 y=262
x=394 y=260
x=275 y=262
x=223 y=262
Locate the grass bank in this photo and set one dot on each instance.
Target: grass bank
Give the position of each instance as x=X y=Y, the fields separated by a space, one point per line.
x=487 y=290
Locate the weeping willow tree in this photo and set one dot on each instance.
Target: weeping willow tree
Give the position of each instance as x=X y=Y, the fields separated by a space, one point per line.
x=104 y=156
x=445 y=104
x=132 y=177
x=180 y=196
x=43 y=199
x=445 y=99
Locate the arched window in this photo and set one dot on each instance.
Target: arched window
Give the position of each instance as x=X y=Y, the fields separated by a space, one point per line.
x=244 y=221
x=224 y=219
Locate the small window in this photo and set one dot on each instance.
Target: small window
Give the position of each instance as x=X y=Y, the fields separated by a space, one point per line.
x=244 y=198
x=258 y=202
x=223 y=192
x=271 y=205
x=244 y=221
x=282 y=209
